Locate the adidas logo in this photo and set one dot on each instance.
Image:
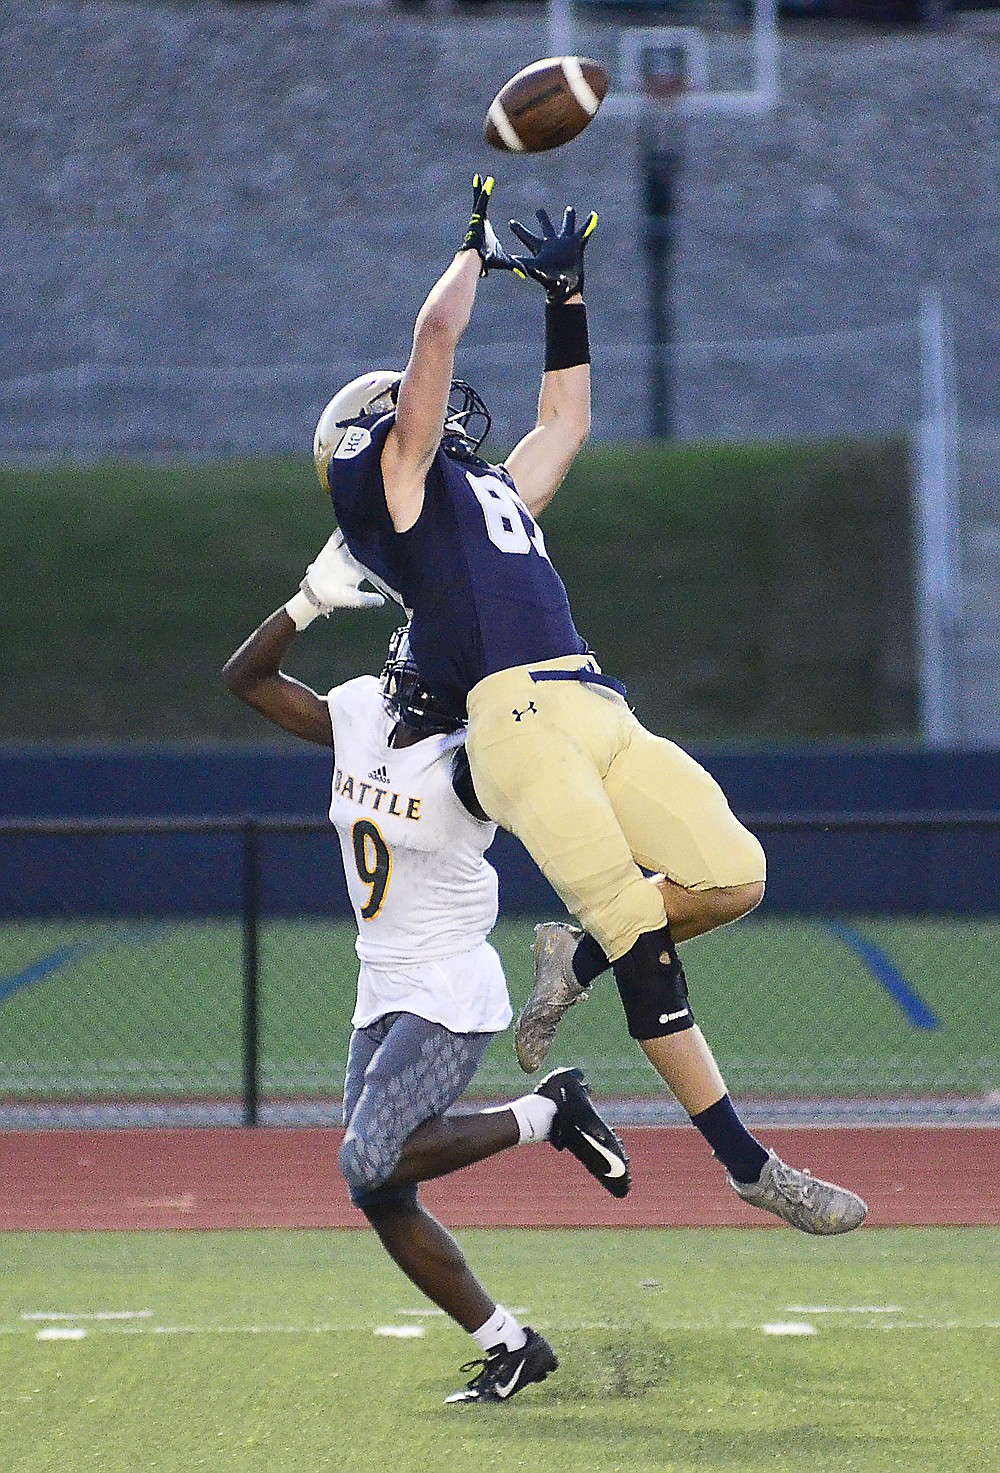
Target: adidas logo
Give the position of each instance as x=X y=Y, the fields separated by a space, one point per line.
x=379 y=775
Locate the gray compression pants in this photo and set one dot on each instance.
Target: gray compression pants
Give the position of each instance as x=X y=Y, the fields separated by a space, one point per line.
x=401 y=1071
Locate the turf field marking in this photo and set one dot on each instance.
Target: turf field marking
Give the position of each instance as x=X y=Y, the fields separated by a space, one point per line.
x=844 y=1308
x=673 y=1327
x=789 y=1327
x=36 y=971
x=97 y=1314
x=62 y=1332
x=238 y=1330
x=887 y=975
x=62 y=956
x=401 y=1332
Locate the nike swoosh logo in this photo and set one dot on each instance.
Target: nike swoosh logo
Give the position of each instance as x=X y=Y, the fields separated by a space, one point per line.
x=504 y=1391
x=616 y=1167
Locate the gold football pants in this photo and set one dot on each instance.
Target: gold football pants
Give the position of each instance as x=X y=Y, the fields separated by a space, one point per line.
x=592 y=795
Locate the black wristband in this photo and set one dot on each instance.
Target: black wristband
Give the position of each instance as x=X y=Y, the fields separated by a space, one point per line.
x=567 y=343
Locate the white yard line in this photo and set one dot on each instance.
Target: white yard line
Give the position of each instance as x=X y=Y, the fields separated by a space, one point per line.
x=844 y=1308
x=678 y=1327
x=97 y=1314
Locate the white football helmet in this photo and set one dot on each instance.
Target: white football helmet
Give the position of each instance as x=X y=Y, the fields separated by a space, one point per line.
x=364 y=395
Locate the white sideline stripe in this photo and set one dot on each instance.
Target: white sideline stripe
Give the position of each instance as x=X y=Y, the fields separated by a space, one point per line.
x=400 y=1332
x=844 y=1308
x=55 y=1332
x=579 y=86
x=789 y=1327
x=98 y=1314
x=504 y=127
x=692 y=1327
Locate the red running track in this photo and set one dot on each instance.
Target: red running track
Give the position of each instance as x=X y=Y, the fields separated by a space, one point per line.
x=218 y=1177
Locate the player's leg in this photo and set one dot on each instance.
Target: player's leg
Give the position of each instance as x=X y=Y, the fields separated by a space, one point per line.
x=681 y=1056
x=654 y=994
x=567 y=768
x=513 y=1355
x=553 y=791
x=405 y=1072
x=446 y=1143
x=709 y=868
x=660 y=809
x=677 y=819
x=379 y=1119
x=429 y=1257
x=694 y=912
x=404 y=1069
x=567 y=960
x=542 y=779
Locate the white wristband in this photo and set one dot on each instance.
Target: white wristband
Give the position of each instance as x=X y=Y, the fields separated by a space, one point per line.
x=301 y=610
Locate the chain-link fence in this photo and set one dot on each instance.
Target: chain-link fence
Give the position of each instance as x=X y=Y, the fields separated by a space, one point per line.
x=203 y=970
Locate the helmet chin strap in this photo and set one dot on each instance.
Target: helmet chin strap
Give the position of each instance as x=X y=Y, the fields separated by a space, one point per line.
x=405 y=736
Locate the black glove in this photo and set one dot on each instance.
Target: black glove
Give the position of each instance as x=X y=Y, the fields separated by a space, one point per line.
x=481 y=236
x=556 y=261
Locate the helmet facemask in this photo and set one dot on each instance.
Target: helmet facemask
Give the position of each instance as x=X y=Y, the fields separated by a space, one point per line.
x=467 y=420
x=405 y=695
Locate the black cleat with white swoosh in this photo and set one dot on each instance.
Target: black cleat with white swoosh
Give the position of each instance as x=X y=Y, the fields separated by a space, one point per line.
x=579 y=1129
x=504 y=1372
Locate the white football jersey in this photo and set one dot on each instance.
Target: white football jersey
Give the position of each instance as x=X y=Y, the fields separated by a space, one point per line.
x=424 y=895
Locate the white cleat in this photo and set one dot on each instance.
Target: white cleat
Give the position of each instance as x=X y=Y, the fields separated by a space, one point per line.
x=802 y=1200
x=555 y=991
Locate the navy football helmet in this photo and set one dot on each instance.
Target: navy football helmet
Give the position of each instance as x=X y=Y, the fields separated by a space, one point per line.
x=405 y=695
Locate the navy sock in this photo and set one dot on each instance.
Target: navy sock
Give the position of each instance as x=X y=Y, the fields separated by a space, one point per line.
x=589 y=960
x=741 y=1153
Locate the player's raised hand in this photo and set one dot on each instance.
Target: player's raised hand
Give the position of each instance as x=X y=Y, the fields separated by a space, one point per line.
x=481 y=236
x=556 y=259
x=333 y=577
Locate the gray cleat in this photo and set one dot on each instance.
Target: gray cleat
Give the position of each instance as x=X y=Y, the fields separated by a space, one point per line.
x=802 y=1200
x=555 y=991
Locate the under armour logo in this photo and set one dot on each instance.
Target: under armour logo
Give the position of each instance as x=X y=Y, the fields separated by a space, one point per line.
x=530 y=707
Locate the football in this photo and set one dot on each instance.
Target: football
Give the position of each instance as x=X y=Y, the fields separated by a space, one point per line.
x=546 y=104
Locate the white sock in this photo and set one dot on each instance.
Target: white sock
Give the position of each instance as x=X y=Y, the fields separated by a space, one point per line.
x=500 y=1329
x=534 y=1115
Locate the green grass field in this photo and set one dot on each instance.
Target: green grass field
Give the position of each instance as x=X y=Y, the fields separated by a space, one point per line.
x=694 y=1351
x=790 y=1008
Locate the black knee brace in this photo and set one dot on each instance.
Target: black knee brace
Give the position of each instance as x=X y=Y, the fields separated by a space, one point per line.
x=654 y=993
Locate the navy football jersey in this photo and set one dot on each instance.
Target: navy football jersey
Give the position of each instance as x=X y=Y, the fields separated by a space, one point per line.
x=472 y=569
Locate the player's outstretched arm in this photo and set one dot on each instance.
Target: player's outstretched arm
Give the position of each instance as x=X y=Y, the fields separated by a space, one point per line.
x=540 y=461
x=423 y=393
x=254 y=672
